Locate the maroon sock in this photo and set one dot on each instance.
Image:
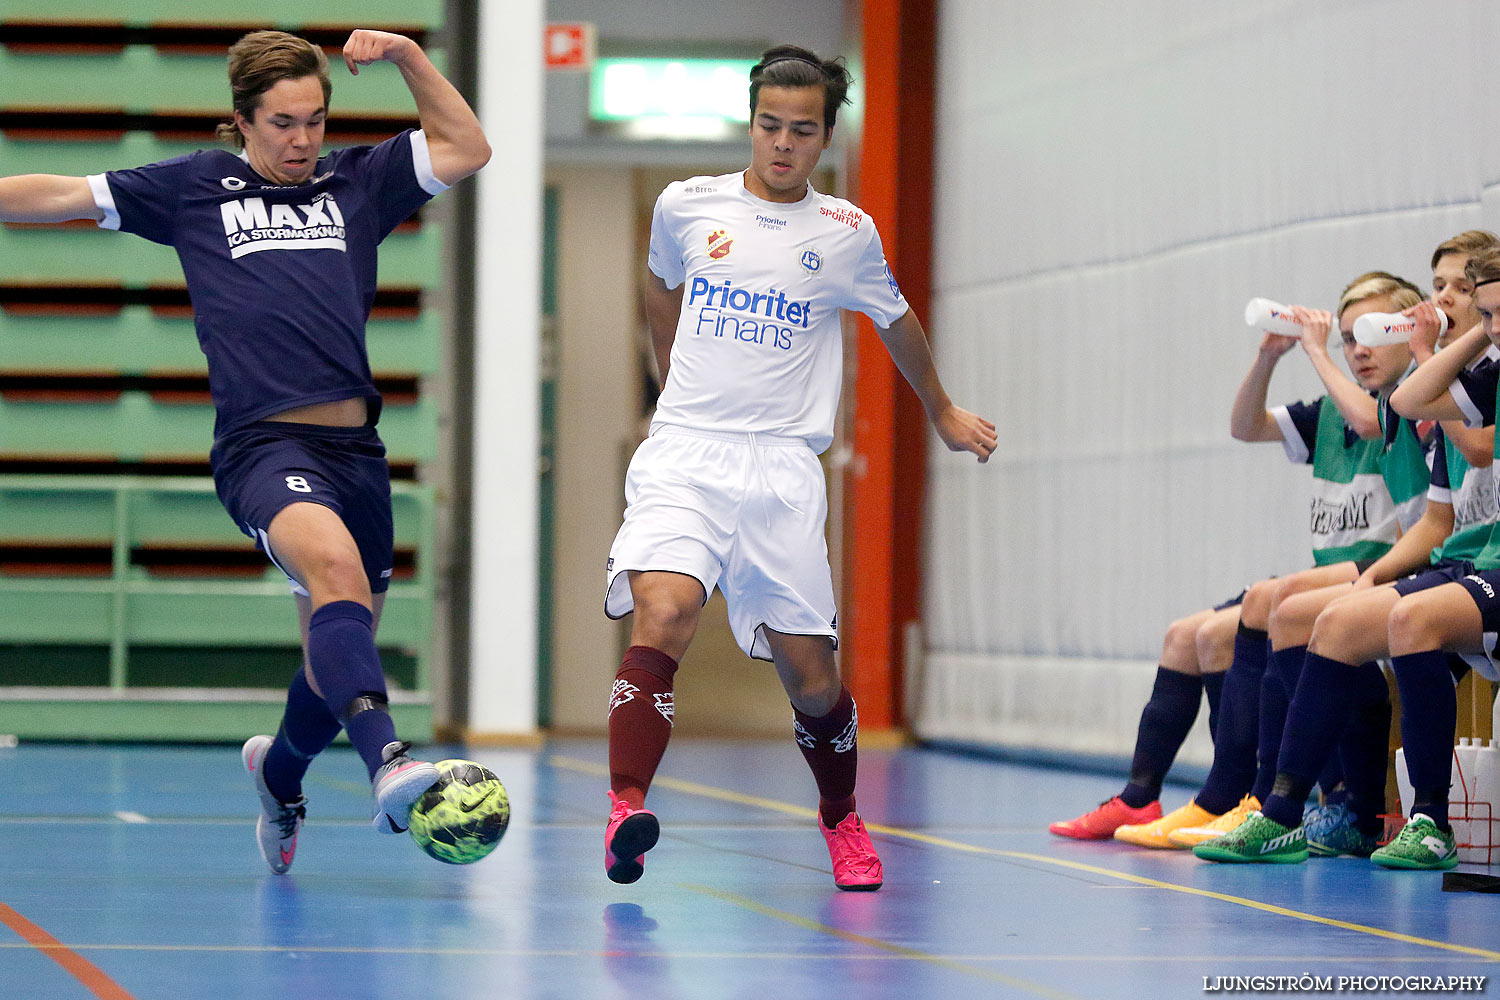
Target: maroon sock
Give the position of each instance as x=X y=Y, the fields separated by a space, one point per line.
x=830 y=745
x=640 y=721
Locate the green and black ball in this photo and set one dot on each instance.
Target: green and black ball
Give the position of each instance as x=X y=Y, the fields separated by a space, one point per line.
x=461 y=818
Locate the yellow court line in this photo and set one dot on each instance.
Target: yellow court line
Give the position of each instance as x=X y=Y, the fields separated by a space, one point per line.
x=1036 y=989
x=708 y=791
x=691 y=788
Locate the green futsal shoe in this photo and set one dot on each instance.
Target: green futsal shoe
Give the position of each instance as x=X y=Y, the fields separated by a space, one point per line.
x=1258 y=840
x=1420 y=846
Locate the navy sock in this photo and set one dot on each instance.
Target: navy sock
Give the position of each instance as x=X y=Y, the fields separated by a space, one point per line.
x=370 y=731
x=1429 y=715
x=307 y=727
x=1213 y=690
x=1320 y=710
x=1165 y=721
x=1276 y=690
x=1233 y=768
x=341 y=651
x=1331 y=780
x=1364 y=748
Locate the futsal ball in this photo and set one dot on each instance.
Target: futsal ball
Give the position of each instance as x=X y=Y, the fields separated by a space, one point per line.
x=461 y=818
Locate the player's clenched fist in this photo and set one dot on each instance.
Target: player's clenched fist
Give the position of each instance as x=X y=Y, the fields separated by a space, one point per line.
x=366 y=46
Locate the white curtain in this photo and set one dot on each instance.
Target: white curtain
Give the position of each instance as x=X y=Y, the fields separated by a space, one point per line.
x=1114 y=182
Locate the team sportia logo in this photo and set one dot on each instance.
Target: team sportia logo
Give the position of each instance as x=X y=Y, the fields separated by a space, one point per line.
x=848 y=216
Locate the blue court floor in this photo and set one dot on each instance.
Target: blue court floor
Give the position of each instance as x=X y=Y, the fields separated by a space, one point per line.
x=132 y=872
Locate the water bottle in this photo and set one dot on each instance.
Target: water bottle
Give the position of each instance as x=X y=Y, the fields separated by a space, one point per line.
x=1268 y=316
x=1380 y=329
x=1463 y=791
x=1484 y=832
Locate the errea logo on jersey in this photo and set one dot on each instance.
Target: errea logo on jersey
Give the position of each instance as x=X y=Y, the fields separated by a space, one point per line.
x=252 y=226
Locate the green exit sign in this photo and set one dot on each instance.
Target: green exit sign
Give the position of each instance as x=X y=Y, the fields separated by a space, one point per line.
x=671 y=98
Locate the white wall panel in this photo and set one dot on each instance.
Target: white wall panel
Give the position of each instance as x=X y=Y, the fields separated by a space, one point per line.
x=1114 y=182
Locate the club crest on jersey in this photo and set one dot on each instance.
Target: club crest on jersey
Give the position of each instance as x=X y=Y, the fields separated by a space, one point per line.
x=812 y=261
x=719 y=244
x=251 y=225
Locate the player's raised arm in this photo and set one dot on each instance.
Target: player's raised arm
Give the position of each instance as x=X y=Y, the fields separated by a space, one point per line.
x=1360 y=410
x=454 y=138
x=1249 y=420
x=959 y=429
x=1424 y=394
x=46 y=198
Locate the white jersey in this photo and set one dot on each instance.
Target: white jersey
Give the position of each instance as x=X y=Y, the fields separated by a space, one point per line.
x=759 y=346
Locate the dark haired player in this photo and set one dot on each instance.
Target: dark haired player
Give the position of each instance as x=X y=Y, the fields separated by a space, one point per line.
x=278 y=245
x=748 y=272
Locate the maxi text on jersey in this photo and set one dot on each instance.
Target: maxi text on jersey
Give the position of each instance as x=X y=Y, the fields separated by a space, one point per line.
x=251 y=225
x=749 y=316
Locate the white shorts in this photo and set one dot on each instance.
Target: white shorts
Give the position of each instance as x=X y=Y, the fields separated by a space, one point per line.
x=741 y=512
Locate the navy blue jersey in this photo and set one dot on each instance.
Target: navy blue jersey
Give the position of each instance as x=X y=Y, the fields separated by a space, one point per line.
x=1474 y=391
x=282 y=277
x=1442 y=479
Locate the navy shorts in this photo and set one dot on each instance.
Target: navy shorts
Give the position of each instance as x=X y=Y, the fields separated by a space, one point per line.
x=1484 y=589
x=264 y=467
x=1233 y=602
x=1448 y=571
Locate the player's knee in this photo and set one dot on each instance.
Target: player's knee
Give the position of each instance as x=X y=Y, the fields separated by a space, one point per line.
x=814 y=694
x=1255 y=610
x=1179 y=650
x=665 y=614
x=1411 y=629
x=335 y=572
x=1215 y=639
x=1331 y=631
x=1287 y=624
x=1281 y=589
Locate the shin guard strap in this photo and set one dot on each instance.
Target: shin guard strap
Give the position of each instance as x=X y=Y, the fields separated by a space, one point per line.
x=364 y=703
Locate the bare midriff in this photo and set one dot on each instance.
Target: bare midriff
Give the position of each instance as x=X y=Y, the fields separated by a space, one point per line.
x=337 y=413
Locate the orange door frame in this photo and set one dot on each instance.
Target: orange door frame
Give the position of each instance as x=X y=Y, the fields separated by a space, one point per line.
x=884 y=483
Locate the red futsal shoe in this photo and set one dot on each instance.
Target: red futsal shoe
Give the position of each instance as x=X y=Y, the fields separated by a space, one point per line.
x=629 y=835
x=856 y=867
x=1101 y=823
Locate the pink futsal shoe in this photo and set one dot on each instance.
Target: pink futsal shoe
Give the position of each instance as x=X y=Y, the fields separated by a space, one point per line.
x=856 y=866
x=628 y=836
x=276 y=827
x=1101 y=823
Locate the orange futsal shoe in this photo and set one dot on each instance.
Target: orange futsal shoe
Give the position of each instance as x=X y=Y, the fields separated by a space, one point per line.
x=1156 y=834
x=1101 y=823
